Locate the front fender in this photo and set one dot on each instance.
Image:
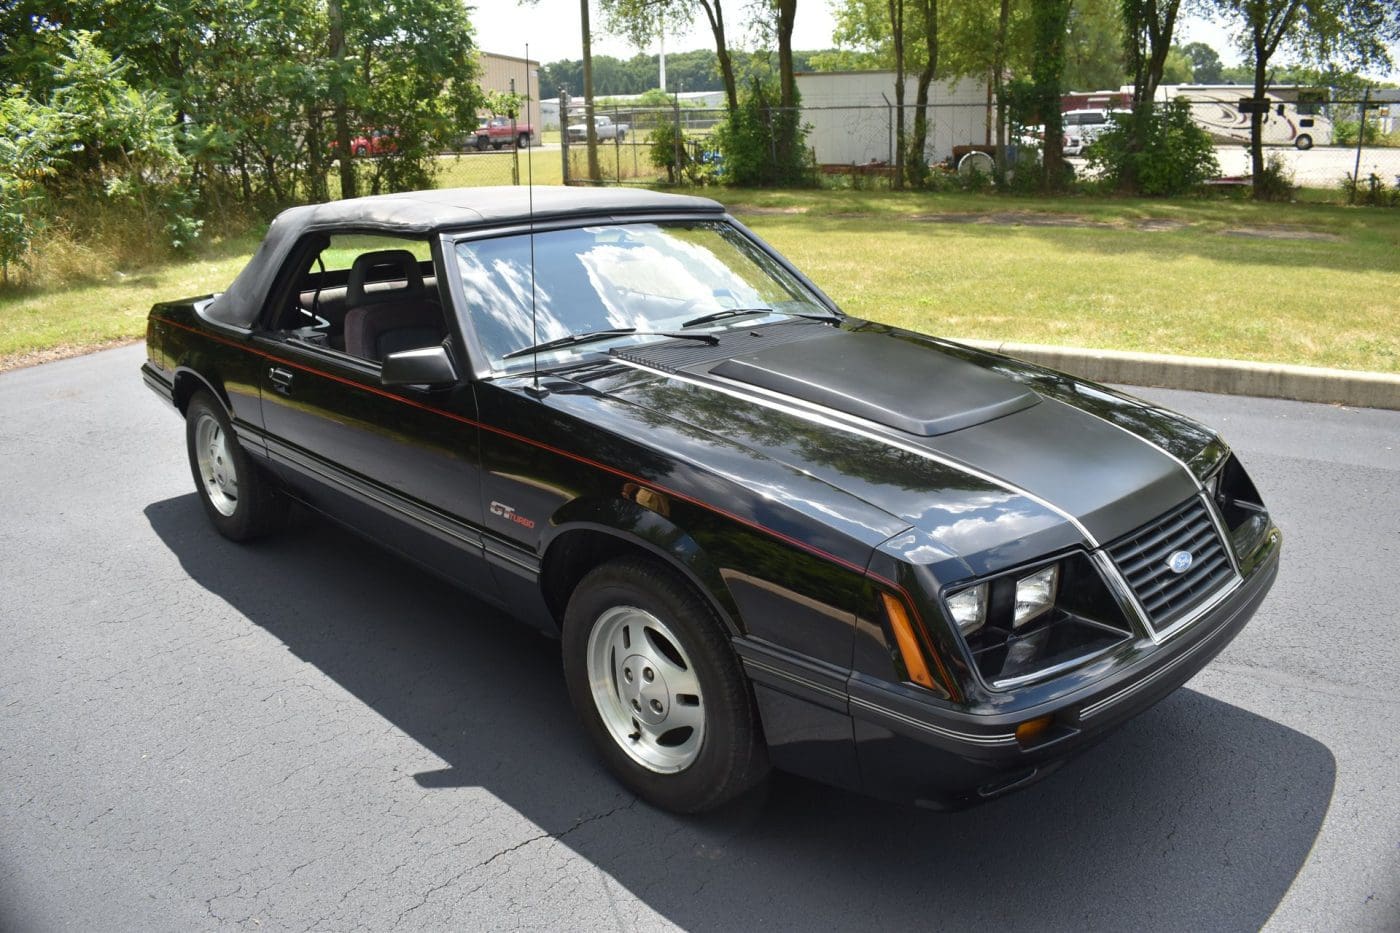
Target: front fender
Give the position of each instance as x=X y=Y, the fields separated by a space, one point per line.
x=640 y=526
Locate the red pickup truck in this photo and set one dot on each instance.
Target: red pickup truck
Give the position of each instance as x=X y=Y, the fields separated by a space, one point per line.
x=499 y=132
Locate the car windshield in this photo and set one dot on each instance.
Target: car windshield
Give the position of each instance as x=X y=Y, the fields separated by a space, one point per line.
x=642 y=276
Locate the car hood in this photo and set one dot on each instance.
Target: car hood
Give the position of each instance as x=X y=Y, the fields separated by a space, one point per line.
x=995 y=460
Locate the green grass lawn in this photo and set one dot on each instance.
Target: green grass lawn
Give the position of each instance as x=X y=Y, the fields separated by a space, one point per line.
x=1314 y=284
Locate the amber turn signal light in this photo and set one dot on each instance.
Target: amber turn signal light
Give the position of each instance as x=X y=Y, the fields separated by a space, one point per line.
x=1032 y=729
x=908 y=644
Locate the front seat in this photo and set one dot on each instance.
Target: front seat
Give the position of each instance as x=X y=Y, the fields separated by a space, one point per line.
x=385 y=320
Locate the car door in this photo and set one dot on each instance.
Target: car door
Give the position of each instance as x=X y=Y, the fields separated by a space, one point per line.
x=401 y=464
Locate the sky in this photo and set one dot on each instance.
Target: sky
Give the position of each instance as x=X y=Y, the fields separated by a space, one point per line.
x=551 y=27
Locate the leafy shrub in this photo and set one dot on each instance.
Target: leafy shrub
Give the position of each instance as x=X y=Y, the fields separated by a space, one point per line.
x=1158 y=151
x=764 y=144
x=1371 y=191
x=1275 y=183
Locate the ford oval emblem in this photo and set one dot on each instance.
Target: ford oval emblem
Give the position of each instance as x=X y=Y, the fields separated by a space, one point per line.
x=1180 y=561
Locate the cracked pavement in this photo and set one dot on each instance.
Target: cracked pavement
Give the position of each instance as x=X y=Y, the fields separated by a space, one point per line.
x=311 y=734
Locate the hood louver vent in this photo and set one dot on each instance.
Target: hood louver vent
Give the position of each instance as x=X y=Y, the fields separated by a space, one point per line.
x=684 y=354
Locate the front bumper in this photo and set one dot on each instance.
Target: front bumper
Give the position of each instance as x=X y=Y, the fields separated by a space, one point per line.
x=912 y=749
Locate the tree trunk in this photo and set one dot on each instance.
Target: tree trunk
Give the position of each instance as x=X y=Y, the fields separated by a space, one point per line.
x=787 y=15
x=1256 y=119
x=998 y=78
x=315 y=156
x=594 y=175
x=336 y=18
x=787 y=126
x=714 y=12
x=896 y=8
x=917 y=163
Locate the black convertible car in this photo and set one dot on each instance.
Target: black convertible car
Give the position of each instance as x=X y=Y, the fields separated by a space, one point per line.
x=767 y=533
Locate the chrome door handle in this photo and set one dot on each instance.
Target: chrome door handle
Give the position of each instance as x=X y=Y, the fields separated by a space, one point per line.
x=281 y=379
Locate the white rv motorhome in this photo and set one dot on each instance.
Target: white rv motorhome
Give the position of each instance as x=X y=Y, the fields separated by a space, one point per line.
x=1294 y=116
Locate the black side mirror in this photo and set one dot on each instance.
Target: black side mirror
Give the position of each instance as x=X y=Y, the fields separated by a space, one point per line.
x=426 y=366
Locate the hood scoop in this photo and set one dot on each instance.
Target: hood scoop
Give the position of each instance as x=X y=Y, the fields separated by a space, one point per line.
x=883 y=378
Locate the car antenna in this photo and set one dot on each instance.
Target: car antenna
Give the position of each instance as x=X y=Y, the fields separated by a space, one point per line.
x=530 y=201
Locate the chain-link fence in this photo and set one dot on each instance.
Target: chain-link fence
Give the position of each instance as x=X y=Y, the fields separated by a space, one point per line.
x=1312 y=144
x=1351 y=145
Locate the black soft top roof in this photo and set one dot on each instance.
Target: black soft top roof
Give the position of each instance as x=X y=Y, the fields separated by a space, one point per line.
x=422 y=212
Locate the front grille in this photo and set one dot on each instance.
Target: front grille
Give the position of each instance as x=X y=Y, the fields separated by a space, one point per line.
x=1142 y=558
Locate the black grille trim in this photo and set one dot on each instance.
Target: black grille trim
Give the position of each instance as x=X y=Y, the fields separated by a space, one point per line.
x=673 y=356
x=1141 y=557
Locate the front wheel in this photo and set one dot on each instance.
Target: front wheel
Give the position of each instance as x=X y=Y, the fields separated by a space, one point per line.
x=361 y=150
x=238 y=499
x=1303 y=142
x=523 y=141
x=481 y=143
x=658 y=688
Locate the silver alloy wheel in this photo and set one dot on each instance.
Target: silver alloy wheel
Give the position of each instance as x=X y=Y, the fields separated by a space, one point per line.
x=645 y=689
x=211 y=452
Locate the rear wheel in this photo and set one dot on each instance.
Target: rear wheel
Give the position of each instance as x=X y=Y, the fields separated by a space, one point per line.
x=523 y=141
x=237 y=497
x=361 y=150
x=658 y=688
x=481 y=143
x=1303 y=142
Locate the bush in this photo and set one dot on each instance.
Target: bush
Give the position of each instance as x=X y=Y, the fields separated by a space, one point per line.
x=1275 y=183
x=764 y=144
x=1159 y=151
x=1371 y=191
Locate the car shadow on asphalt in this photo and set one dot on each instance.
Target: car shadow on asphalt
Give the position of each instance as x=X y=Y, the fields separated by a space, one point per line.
x=1197 y=814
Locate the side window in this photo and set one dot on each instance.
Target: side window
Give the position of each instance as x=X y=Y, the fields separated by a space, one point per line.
x=360 y=294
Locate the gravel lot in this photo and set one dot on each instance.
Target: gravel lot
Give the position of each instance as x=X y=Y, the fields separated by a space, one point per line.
x=311 y=734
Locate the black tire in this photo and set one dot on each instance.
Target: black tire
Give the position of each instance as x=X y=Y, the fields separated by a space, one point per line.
x=522 y=141
x=481 y=143
x=361 y=151
x=1303 y=142
x=256 y=508
x=732 y=757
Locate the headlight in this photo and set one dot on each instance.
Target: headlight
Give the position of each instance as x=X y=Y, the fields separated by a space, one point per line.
x=1028 y=623
x=969 y=608
x=1035 y=595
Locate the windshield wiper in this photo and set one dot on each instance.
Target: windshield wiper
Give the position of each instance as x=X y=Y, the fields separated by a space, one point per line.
x=721 y=315
x=737 y=312
x=592 y=336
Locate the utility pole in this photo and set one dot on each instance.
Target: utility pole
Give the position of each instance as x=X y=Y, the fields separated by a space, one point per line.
x=594 y=176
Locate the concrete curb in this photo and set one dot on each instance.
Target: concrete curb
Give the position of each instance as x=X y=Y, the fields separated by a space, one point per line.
x=1227 y=377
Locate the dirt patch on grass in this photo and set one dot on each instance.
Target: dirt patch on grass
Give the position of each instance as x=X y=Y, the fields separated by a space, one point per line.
x=63 y=352
x=1282 y=233
x=1011 y=219
x=760 y=211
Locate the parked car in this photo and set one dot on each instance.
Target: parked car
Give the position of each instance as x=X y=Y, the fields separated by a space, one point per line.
x=604 y=128
x=370 y=143
x=499 y=132
x=767 y=533
x=1082 y=127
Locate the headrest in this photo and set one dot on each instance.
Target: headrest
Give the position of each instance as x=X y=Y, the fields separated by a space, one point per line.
x=401 y=264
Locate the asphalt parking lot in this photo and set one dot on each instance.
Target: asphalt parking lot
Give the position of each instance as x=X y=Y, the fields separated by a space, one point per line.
x=311 y=734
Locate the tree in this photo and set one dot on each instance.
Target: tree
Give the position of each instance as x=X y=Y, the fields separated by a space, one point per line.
x=1147 y=41
x=917 y=162
x=1094 y=46
x=896 y=8
x=590 y=131
x=1050 y=19
x=1206 y=66
x=1354 y=31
